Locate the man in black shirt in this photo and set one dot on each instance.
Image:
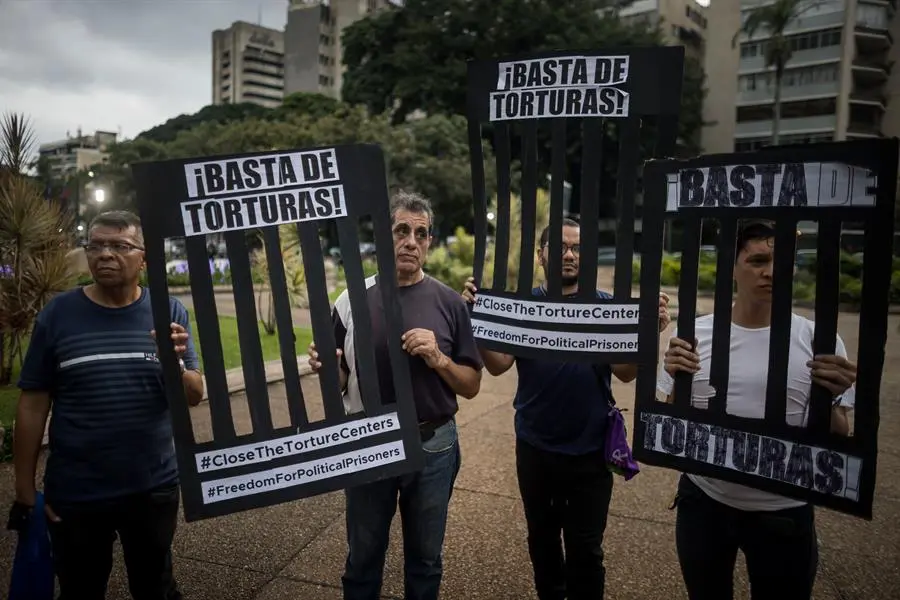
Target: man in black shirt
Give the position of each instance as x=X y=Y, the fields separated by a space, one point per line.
x=444 y=363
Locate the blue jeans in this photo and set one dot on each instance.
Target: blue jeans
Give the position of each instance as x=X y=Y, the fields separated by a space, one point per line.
x=424 y=500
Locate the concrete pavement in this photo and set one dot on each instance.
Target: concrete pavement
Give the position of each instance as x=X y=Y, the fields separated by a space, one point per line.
x=296 y=550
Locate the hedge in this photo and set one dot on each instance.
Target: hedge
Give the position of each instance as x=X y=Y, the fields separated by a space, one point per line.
x=804 y=279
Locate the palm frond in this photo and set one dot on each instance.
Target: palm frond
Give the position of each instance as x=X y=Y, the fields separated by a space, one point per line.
x=16 y=141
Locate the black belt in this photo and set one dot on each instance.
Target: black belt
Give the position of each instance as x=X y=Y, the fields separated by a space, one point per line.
x=427 y=428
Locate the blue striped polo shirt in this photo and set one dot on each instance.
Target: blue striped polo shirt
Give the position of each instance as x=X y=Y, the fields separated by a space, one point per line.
x=110 y=430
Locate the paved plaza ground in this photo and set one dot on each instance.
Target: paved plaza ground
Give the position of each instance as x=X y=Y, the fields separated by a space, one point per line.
x=297 y=550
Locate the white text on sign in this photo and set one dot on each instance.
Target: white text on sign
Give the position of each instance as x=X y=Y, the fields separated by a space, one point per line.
x=761 y=185
x=279 y=448
x=260 y=191
x=570 y=341
x=215 y=215
x=568 y=86
x=556 y=312
x=808 y=467
x=248 y=174
x=563 y=71
x=288 y=476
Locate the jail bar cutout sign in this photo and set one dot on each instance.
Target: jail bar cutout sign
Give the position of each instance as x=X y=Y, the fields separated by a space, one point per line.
x=232 y=194
x=838 y=184
x=596 y=92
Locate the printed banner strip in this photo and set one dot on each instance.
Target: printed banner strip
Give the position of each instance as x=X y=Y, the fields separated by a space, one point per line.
x=805 y=466
x=229 y=488
x=813 y=184
x=309 y=441
x=256 y=174
x=555 y=340
x=538 y=311
x=218 y=215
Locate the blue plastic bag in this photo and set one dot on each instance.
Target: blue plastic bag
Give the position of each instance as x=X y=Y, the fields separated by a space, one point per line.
x=32 y=572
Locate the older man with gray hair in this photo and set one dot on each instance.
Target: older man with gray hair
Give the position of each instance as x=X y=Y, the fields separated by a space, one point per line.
x=444 y=362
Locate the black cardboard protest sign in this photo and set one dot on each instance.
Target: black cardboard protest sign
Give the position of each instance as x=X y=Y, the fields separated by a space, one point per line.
x=609 y=94
x=230 y=194
x=833 y=184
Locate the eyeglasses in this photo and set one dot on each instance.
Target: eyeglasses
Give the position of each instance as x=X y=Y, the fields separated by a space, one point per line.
x=115 y=248
x=402 y=231
x=575 y=248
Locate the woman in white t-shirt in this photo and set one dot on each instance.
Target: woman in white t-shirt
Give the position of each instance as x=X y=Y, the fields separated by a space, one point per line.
x=716 y=518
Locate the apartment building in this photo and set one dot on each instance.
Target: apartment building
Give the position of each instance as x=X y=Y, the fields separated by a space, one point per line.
x=76 y=153
x=248 y=65
x=838 y=84
x=683 y=22
x=313 y=50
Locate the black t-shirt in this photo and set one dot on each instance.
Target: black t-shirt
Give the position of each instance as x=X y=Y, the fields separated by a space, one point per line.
x=428 y=304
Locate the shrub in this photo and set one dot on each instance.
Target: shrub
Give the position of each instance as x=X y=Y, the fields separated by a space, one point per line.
x=34 y=244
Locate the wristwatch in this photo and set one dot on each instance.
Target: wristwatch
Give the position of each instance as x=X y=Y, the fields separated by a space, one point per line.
x=182 y=365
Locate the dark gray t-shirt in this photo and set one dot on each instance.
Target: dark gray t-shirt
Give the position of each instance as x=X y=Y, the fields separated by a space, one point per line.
x=430 y=305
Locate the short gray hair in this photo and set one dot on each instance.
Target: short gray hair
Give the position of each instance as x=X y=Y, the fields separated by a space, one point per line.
x=411 y=202
x=119 y=219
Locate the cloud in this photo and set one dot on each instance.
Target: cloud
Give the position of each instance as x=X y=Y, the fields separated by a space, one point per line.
x=113 y=65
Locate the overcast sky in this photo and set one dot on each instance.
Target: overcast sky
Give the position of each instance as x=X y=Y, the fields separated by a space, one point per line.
x=113 y=64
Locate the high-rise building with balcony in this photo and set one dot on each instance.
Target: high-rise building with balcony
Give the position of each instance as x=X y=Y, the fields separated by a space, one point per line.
x=76 y=153
x=838 y=84
x=248 y=65
x=313 y=49
x=683 y=22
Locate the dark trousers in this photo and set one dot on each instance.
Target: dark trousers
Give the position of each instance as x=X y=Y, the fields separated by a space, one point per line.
x=780 y=547
x=566 y=499
x=83 y=545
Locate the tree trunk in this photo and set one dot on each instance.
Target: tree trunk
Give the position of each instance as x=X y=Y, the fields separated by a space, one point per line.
x=776 y=110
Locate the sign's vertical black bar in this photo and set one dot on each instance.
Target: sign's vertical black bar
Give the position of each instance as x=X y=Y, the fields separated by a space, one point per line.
x=593 y=132
x=320 y=317
x=873 y=315
x=828 y=273
x=476 y=160
x=780 y=331
x=529 y=206
x=348 y=238
x=501 y=233
x=393 y=317
x=721 y=344
x=252 y=361
x=667 y=136
x=210 y=338
x=155 y=253
x=651 y=267
x=287 y=341
x=558 y=177
x=629 y=131
x=687 y=298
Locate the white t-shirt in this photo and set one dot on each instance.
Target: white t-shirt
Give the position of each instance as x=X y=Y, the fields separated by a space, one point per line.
x=747 y=378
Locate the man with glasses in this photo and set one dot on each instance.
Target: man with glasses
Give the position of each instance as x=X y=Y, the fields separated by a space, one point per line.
x=444 y=362
x=561 y=422
x=111 y=469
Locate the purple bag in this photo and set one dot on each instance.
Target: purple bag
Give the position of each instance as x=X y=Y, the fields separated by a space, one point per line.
x=618 y=453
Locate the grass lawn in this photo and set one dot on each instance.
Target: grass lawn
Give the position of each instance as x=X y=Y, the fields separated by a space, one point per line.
x=230 y=346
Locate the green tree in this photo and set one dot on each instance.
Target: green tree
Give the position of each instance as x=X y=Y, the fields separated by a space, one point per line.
x=414 y=58
x=428 y=155
x=774 y=19
x=33 y=243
